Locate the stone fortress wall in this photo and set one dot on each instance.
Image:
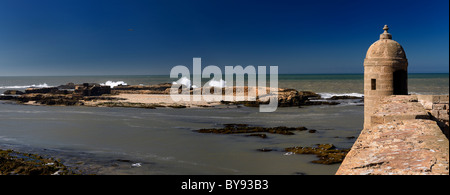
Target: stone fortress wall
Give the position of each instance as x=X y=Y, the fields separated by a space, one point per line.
x=404 y=138
x=437 y=107
x=403 y=134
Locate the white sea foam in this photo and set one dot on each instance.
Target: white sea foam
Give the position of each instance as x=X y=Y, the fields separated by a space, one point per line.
x=211 y=83
x=136 y=165
x=113 y=84
x=329 y=95
x=184 y=81
x=214 y=83
x=25 y=86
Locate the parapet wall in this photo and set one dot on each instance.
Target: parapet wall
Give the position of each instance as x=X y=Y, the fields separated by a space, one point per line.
x=437 y=107
x=403 y=138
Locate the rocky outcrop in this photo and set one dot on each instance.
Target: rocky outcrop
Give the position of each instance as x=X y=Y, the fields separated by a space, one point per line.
x=52 y=90
x=49 y=99
x=60 y=99
x=85 y=89
x=88 y=89
x=327 y=153
x=286 y=97
x=17 y=163
x=344 y=97
x=13 y=92
x=69 y=86
x=163 y=88
x=88 y=93
x=246 y=129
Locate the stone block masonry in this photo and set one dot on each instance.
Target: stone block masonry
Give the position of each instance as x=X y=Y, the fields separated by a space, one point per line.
x=403 y=138
x=437 y=107
x=403 y=134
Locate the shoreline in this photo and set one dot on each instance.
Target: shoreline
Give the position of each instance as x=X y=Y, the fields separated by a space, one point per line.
x=288 y=98
x=153 y=96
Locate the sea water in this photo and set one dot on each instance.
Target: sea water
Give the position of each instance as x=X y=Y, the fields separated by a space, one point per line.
x=163 y=140
x=437 y=84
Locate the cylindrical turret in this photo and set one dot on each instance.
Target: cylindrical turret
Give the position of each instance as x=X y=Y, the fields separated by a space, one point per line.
x=385 y=73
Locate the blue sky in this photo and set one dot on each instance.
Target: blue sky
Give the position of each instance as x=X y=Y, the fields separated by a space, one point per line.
x=115 y=37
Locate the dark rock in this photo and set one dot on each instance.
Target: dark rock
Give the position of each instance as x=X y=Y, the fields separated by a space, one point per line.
x=7 y=97
x=327 y=153
x=163 y=88
x=126 y=104
x=177 y=106
x=265 y=150
x=315 y=103
x=89 y=89
x=261 y=135
x=41 y=90
x=286 y=98
x=312 y=131
x=49 y=99
x=344 y=97
x=244 y=128
x=309 y=95
x=123 y=160
x=67 y=86
x=13 y=92
x=16 y=163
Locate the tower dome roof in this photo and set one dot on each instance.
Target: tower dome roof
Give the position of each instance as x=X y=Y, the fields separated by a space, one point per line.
x=386 y=47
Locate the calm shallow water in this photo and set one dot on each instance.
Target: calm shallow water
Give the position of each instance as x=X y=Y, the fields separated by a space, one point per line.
x=162 y=140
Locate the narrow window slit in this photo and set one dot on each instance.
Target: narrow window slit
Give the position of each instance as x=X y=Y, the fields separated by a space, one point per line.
x=374 y=84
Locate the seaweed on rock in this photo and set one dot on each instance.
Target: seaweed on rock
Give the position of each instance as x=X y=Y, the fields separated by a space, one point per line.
x=327 y=153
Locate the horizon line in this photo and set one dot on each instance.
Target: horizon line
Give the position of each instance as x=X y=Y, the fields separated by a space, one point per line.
x=192 y=74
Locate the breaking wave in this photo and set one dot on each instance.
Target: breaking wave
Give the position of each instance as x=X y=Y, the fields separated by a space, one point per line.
x=211 y=83
x=214 y=83
x=25 y=86
x=113 y=84
x=184 y=81
x=329 y=95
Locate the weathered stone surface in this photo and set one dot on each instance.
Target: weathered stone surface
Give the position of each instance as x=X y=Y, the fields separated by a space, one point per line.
x=385 y=73
x=403 y=134
x=438 y=107
x=406 y=147
x=398 y=108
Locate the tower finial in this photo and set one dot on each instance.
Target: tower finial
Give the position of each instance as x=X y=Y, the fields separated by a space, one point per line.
x=385 y=34
x=386 y=28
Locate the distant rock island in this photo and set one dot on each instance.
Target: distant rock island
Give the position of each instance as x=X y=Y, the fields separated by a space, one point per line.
x=152 y=96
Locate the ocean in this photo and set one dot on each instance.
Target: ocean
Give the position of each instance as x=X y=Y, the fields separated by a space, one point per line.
x=162 y=141
x=327 y=84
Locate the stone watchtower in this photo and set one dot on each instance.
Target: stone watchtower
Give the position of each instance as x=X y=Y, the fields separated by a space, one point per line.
x=385 y=73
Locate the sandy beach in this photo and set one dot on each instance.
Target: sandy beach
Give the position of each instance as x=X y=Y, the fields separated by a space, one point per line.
x=164 y=100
